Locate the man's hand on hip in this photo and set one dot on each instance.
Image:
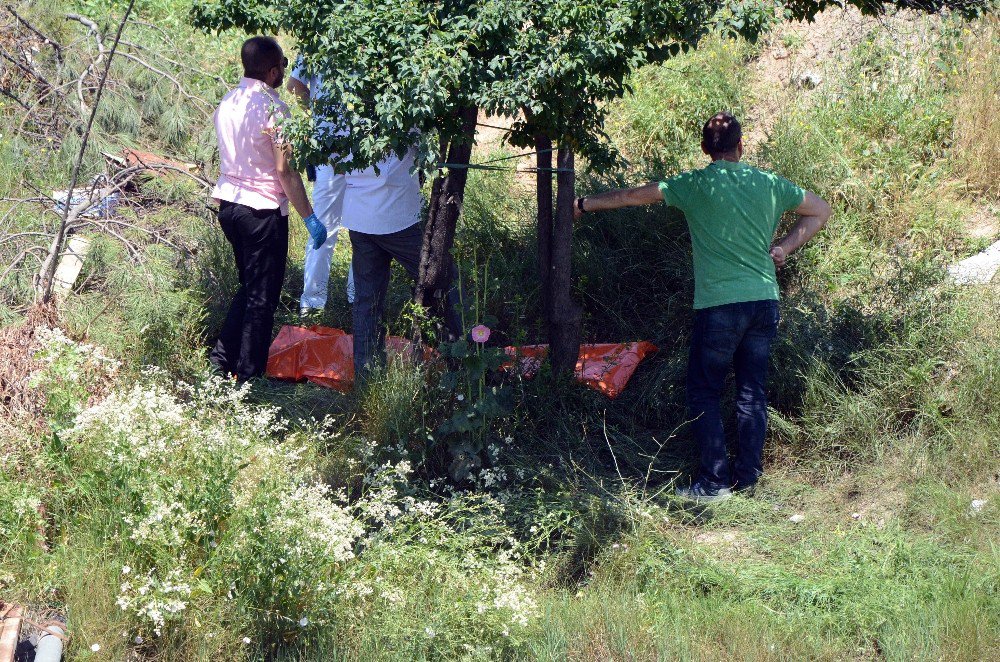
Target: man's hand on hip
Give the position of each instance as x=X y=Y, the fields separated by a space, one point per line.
x=779 y=256
x=814 y=213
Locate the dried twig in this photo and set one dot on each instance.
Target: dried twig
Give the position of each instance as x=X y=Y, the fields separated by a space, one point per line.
x=30 y=251
x=13 y=97
x=179 y=65
x=94 y=30
x=20 y=64
x=56 y=46
x=45 y=287
x=164 y=74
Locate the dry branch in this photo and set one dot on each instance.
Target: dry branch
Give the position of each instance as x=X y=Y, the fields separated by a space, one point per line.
x=179 y=65
x=84 y=109
x=207 y=108
x=56 y=46
x=45 y=286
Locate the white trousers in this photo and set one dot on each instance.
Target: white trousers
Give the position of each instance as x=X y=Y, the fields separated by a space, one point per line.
x=328 y=203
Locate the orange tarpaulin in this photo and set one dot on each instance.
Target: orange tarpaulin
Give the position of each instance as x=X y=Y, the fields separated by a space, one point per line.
x=320 y=355
x=325 y=356
x=604 y=367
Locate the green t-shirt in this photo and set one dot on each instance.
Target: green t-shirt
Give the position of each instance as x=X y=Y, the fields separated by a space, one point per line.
x=732 y=211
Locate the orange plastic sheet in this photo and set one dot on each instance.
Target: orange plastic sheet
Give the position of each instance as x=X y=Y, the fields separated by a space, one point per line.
x=605 y=367
x=320 y=355
x=325 y=356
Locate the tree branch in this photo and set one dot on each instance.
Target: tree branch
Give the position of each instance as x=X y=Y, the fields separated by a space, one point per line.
x=179 y=65
x=94 y=30
x=45 y=287
x=56 y=46
x=164 y=74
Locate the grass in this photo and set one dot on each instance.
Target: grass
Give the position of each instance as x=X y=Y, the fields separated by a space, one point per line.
x=286 y=502
x=977 y=64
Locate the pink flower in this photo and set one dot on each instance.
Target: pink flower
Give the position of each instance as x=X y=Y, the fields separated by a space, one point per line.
x=480 y=333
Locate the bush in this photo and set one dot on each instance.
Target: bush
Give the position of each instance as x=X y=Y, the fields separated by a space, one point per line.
x=213 y=511
x=658 y=126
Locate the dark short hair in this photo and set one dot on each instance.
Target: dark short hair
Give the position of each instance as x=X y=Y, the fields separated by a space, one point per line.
x=259 y=54
x=721 y=134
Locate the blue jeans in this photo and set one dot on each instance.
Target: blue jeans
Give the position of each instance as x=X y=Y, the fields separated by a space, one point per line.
x=732 y=336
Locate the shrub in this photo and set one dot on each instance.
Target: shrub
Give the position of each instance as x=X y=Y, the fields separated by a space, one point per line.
x=658 y=126
x=211 y=506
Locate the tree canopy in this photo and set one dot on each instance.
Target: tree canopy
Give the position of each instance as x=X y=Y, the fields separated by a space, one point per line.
x=397 y=71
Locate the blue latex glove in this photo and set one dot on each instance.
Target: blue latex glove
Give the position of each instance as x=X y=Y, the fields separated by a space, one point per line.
x=316 y=230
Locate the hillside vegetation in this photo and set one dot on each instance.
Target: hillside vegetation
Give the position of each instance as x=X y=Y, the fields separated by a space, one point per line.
x=169 y=515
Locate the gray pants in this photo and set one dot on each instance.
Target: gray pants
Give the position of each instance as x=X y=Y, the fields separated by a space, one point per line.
x=372 y=255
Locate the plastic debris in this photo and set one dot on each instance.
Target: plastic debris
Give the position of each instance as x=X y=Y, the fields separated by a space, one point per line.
x=808 y=80
x=70 y=264
x=49 y=646
x=796 y=518
x=605 y=367
x=977 y=505
x=978 y=269
x=321 y=355
x=101 y=207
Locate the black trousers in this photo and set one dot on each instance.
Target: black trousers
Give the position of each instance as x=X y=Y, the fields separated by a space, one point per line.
x=259 y=238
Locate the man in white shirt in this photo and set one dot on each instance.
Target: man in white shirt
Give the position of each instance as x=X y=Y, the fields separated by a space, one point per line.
x=328 y=202
x=382 y=213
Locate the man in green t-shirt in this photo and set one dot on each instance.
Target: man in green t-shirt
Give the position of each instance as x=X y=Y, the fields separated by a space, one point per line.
x=732 y=210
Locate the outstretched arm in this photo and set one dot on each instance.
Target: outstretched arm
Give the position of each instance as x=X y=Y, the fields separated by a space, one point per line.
x=639 y=196
x=814 y=212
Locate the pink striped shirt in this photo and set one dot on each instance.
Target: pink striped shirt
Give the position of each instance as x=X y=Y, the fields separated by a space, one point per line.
x=246 y=126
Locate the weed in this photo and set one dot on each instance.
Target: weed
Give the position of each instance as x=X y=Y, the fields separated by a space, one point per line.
x=975 y=75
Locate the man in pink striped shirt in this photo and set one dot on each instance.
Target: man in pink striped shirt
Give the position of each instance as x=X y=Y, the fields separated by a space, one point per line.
x=255 y=186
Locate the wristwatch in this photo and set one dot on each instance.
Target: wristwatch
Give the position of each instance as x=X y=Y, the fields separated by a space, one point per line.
x=579 y=205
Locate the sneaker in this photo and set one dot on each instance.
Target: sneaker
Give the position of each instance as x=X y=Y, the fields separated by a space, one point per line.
x=701 y=494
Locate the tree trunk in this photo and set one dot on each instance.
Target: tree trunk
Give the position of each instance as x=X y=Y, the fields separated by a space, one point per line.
x=543 y=188
x=565 y=316
x=447 y=194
